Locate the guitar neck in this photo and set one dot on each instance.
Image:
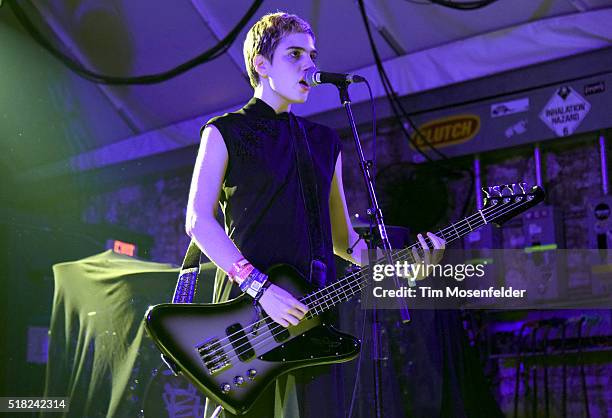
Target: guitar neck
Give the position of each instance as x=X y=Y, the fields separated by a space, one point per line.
x=345 y=288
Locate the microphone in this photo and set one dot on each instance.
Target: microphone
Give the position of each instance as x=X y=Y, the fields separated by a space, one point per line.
x=314 y=78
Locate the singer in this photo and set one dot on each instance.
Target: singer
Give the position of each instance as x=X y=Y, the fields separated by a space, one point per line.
x=247 y=163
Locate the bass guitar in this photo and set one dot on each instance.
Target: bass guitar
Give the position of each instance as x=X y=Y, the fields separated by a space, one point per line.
x=231 y=352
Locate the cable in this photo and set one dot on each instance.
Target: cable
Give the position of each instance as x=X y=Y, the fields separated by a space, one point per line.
x=457 y=5
x=373 y=110
x=365 y=316
x=392 y=95
x=397 y=108
x=464 y=5
x=358 y=371
x=208 y=55
x=373 y=165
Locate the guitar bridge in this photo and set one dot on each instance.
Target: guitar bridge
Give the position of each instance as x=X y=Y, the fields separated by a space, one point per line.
x=213 y=356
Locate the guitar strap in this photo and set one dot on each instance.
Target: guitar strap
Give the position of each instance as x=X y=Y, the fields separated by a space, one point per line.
x=188 y=276
x=310 y=196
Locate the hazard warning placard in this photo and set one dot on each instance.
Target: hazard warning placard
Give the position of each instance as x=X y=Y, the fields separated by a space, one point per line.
x=565 y=110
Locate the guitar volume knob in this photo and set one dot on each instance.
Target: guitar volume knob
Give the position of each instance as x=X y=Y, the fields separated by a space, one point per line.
x=226 y=387
x=251 y=373
x=238 y=380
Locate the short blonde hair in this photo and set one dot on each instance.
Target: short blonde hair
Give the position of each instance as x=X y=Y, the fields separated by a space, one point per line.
x=265 y=35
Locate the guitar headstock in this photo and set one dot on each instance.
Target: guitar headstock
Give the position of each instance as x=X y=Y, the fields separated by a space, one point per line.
x=508 y=200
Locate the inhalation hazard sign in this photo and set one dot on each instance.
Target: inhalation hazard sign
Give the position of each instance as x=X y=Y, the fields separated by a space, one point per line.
x=565 y=110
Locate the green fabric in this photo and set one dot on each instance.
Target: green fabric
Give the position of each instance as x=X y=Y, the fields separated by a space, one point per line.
x=99 y=355
x=222 y=288
x=97 y=329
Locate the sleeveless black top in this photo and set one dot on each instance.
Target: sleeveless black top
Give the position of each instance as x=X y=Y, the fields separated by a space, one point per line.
x=261 y=196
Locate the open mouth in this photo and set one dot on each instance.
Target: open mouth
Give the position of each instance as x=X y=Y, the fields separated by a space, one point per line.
x=304 y=84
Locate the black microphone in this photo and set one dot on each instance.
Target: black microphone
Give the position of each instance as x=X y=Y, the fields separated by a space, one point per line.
x=314 y=78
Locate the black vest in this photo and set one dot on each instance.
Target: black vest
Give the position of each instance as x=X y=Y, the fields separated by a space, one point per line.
x=261 y=197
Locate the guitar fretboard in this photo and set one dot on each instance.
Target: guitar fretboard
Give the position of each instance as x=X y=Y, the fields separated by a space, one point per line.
x=347 y=287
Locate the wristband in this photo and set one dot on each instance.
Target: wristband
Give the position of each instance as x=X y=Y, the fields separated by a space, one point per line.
x=253 y=283
x=262 y=290
x=240 y=270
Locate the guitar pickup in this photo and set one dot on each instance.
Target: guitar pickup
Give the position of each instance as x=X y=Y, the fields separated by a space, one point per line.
x=279 y=333
x=213 y=356
x=241 y=344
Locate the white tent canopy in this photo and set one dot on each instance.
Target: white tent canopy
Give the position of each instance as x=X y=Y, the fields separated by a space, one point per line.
x=424 y=46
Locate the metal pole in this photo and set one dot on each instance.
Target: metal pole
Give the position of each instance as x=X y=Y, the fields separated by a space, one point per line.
x=478 y=182
x=604 y=164
x=375 y=216
x=538 y=164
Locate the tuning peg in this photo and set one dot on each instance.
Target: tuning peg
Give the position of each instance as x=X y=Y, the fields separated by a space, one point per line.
x=522 y=186
x=495 y=191
x=507 y=188
x=486 y=192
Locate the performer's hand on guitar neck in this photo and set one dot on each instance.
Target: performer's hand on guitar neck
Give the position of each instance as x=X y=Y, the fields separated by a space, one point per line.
x=428 y=257
x=282 y=307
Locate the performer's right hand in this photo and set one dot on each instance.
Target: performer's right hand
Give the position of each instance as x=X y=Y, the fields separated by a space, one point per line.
x=282 y=307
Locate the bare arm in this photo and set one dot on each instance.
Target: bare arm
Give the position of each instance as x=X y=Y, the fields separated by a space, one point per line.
x=202 y=226
x=343 y=235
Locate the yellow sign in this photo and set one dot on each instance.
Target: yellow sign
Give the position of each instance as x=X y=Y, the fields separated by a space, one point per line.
x=452 y=130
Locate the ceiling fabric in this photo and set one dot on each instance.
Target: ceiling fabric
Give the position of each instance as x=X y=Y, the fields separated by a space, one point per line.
x=483 y=55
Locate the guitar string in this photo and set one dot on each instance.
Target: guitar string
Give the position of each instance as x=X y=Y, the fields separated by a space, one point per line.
x=256 y=345
x=361 y=272
x=398 y=253
x=341 y=299
x=404 y=252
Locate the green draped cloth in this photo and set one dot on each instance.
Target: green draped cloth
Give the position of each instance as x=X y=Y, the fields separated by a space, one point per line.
x=96 y=344
x=99 y=355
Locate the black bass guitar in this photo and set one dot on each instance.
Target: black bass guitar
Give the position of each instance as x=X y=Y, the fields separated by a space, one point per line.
x=232 y=353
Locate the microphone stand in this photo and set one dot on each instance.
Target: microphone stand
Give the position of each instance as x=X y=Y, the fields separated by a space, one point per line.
x=376 y=217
